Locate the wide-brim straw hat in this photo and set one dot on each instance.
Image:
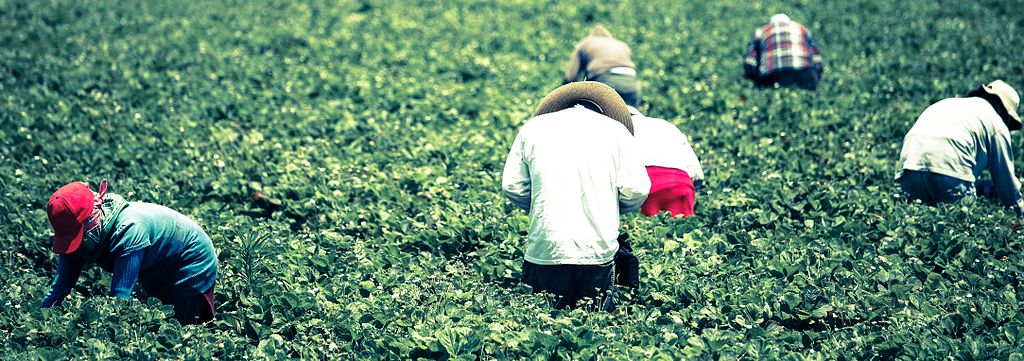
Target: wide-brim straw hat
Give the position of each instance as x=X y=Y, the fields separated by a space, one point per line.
x=601 y=96
x=1008 y=96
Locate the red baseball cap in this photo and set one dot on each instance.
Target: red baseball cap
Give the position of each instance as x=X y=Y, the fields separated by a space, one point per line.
x=68 y=209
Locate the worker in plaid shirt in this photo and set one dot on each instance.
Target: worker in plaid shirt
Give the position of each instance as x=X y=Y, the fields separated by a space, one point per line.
x=783 y=52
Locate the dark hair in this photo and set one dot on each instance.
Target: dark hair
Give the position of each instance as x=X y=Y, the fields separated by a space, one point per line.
x=589 y=104
x=996 y=104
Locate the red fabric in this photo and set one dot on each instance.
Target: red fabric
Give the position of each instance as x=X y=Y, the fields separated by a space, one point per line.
x=671 y=190
x=208 y=308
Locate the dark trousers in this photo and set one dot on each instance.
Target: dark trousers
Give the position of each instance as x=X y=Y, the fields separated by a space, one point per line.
x=570 y=283
x=803 y=78
x=932 y=188
x=190 y=308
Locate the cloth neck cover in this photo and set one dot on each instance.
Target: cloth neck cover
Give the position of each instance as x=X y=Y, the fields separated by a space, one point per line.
x=109 y=207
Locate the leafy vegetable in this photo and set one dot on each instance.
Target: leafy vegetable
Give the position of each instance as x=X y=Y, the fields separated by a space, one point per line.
x=345 y=157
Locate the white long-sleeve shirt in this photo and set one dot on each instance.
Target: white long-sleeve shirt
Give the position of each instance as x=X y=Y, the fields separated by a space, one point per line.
x=960 y=138
x=574 y=171
x=662 y=144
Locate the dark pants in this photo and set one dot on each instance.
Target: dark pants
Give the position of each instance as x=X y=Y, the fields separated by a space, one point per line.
x=192 y=308
x=932 y=188
x=803 y=78
x=627 y=86
x=570 y=283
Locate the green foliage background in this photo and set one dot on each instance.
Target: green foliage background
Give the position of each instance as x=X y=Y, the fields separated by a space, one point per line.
x=379 y=128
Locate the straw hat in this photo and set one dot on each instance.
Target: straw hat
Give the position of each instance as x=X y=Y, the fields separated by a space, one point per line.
x=601 y=96
x=1008 y=96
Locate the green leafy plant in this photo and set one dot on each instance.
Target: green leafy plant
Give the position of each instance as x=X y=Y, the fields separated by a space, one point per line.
x=345 y=158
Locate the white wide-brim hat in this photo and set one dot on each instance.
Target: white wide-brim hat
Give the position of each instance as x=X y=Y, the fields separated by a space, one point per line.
x=1008 y=96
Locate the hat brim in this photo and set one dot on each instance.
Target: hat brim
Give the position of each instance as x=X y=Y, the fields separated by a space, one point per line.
x=1011 y=110
x=1013 y=116
x=67 y=243
x=603 y=96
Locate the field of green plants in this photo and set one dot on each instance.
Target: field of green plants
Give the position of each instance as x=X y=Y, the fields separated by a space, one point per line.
x=345 y=157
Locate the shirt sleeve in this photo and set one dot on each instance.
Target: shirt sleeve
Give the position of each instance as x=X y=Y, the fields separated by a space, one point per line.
x=128 y=238
x=812 y=49
x=515 y=179
x=1001 y=167
x=577 y=63
x=126 y=272
x=752 y=58
x=633 y=182
x=68 y=269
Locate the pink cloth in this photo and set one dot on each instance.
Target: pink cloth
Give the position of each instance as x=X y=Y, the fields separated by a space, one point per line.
x=671 y=190
x=208 y=308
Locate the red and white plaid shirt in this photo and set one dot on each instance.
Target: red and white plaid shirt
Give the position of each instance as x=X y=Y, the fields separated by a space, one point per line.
x=781 y=45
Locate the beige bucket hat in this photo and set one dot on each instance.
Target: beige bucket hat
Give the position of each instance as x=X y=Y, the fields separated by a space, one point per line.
x=602 y=96
x=1008 y=96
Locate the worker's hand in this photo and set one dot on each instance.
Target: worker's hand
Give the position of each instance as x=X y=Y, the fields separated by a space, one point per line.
x=985 y=188
x=1016 y=226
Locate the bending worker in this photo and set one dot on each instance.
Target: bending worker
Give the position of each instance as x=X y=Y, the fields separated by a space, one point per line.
x=672 y=165
x=783 y=52
x=602 y=58
x=166 y=251
x=955 y=139
x=574 y=168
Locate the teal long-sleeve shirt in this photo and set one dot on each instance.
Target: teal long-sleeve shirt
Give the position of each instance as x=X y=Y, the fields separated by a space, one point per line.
x=168 y=253
x=960 y=138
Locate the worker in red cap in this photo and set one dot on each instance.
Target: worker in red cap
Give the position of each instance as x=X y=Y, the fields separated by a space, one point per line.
x=168 y=253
